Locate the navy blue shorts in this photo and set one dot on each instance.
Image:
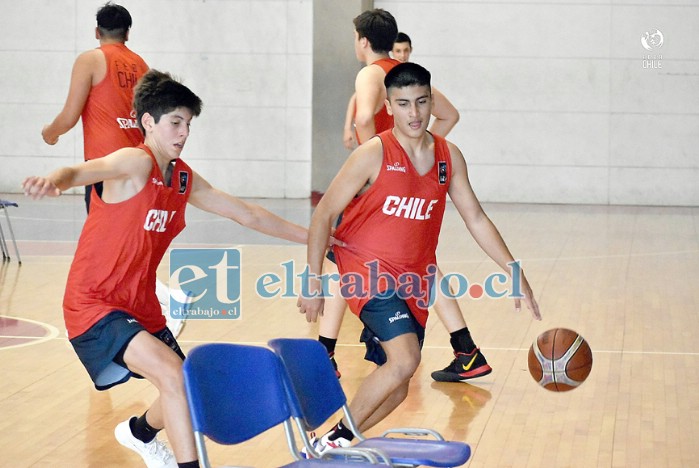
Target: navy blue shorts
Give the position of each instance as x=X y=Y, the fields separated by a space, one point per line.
x=385 y=318
x=101 y=348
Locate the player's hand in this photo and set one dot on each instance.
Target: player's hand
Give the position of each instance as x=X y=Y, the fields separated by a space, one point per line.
x=529 y=300
x=50 y=140
x=39 y=187
x=334 y=241
x=312 y=307
x=311 y=300
x=349 y=140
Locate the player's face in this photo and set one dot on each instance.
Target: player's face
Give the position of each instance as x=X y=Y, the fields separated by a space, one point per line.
x=411 y=108
x=172 y=130
x=401 y=51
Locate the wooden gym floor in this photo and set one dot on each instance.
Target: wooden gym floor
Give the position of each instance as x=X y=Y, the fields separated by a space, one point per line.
x=623 y=277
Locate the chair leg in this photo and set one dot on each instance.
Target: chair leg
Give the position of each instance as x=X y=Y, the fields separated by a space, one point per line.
x=12 y=235
x=3 y=246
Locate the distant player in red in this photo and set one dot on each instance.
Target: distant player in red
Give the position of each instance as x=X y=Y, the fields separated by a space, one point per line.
x=446 y=114
x=393 y=192
x=111 y=311
x=101 y=92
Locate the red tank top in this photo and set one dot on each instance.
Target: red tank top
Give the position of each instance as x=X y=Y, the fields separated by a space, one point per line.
x=119 y=250
x=395 y=226
x=382 y=120
x=109 y=122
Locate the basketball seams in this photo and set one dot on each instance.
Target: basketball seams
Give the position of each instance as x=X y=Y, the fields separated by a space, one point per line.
x=564 y=348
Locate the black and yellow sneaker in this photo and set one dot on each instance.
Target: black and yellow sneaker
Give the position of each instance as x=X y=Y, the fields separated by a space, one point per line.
x=464 y=367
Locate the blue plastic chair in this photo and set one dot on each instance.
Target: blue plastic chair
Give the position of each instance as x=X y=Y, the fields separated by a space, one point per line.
x=236 y=392
x=316 y=395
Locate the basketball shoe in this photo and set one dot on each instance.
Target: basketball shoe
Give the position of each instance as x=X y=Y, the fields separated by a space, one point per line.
x=154 y=453
x=324 y=444
x=334 y=363
x=464 y=367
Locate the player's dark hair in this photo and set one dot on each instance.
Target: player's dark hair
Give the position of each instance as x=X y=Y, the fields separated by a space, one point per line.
x=402 y=37
x=407 y=74
x=113 y=21
x=158 y=93
x=379 y=27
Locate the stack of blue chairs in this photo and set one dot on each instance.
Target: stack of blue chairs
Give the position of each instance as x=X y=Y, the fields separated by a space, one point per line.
x=236 y=392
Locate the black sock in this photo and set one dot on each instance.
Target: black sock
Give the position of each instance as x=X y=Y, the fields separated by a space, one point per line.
x=142 y=430
x=192 y=464
x=461 y=341
x=329 y=343
x=341 y=431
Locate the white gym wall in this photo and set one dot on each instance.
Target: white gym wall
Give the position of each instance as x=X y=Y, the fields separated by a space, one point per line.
x=559 y=101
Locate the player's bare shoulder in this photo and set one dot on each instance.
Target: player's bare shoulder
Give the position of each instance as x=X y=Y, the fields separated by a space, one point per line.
x=370 y=77
x=365 y=161
x=91 y=64
x=457 y=157
x=131 y=162
x=370 y=152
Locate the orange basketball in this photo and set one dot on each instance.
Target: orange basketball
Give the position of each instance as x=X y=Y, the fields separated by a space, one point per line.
x=560 y=360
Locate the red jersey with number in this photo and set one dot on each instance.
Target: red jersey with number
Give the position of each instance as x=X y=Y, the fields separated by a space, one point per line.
x=109 y=121
x=393 y=228
x=119 y=250
x=382 y=120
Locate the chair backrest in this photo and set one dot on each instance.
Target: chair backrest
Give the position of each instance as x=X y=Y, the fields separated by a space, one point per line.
x=316 y=393
x=235 y=392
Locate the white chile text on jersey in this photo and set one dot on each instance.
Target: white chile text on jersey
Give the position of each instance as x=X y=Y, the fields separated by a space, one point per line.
x=157 y=220
x=408 y=207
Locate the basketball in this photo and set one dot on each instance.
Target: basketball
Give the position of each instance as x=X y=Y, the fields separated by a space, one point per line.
x=560 y=360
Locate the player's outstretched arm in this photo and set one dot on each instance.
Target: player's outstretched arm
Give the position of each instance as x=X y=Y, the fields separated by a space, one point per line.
x=208 y=198
x=362 y=168
x=80 y=86
x=126 y=163
x=482 y=228
x=445 y=114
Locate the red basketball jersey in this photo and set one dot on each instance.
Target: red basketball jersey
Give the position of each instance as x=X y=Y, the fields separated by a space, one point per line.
x=382 y=120
x=119 y=250
x=395 y=227
x=109 y=122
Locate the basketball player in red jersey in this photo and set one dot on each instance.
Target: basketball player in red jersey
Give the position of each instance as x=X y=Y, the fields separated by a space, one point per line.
x=375 y=35
x=110 y=307
x=393 y=192
x=446 y=115
x=101 y=94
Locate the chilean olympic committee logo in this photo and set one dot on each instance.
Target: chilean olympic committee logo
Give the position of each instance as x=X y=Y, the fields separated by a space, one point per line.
x=652 y=40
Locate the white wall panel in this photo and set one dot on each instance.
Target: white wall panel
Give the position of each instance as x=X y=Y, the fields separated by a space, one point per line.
x=556 y=103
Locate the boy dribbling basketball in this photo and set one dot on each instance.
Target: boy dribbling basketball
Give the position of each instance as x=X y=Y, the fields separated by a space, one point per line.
x=382 y=235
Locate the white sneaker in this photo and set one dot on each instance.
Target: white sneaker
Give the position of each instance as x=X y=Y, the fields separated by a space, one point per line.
x=163 y=292
x=324 y=444
x=155 y=453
